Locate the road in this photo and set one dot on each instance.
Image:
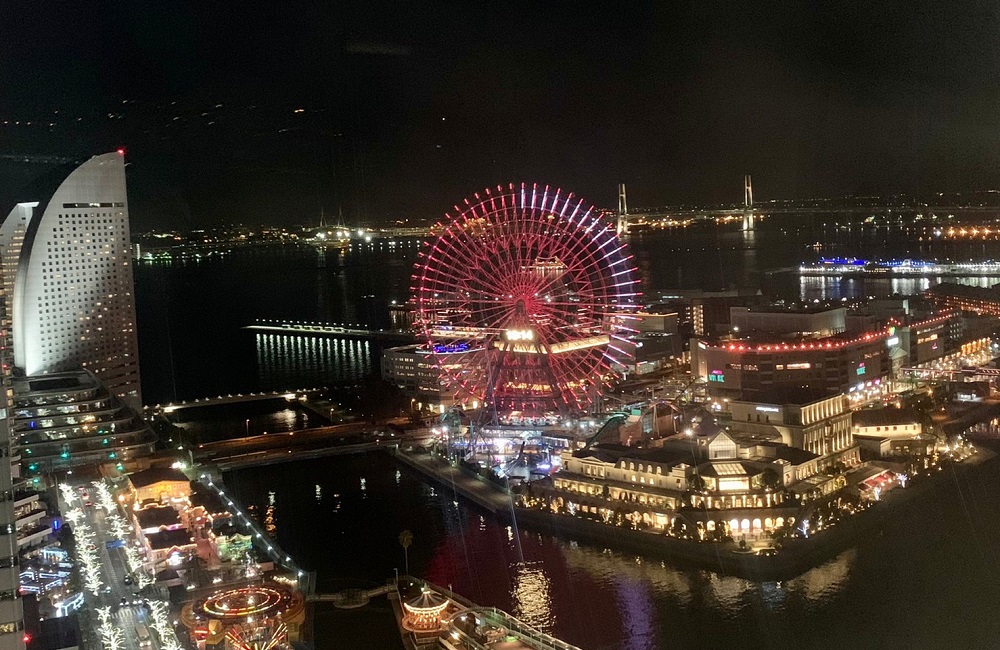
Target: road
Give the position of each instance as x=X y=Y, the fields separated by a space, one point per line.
x=115 y=568
x=315 y=449
x=303 y=439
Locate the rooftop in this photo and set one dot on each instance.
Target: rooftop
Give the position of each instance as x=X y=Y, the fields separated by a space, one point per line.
x=794 y=455
x=157 y=517
x=208 y=500
x=885 y=417
x=794 y=395
x=728 y=468
x=864 y=473
x=154 y=475
x=169 y=539
x=767 y=345
x=603 y=455
x=810 y=483
x=671 y=456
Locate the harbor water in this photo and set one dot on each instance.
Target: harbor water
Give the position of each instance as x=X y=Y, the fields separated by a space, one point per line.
x=928 y=579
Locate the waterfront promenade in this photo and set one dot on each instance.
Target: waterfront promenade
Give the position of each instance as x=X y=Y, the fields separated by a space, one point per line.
x=305 y=580
x=478 y=490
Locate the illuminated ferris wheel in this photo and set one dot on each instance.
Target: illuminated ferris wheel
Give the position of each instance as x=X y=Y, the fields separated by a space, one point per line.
x=523 y=296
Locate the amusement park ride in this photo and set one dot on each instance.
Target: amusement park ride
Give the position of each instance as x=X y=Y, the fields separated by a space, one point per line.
x=524 y=295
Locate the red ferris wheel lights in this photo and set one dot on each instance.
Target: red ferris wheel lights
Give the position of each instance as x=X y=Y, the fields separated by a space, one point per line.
x=525 y=259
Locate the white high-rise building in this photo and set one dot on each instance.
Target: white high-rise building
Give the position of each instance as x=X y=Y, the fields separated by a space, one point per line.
x=73 y=303
x=12 y=496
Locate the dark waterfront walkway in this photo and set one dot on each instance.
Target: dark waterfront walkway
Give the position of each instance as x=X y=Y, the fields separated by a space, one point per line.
x=476 y=489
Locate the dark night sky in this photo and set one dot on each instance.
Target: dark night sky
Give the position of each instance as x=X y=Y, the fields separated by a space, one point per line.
x=409 y=106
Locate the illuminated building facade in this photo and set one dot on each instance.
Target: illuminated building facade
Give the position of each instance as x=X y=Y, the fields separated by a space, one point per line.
x=744 y=370
x=891 y=432
x=800 y=419
x=19 y=507
x=416 y=371
x=925 y=341
x=706 y=485
x=960 y=297
x=710 y=482
x=67 y=419
x=73 y=300
x=16 y=510
x=806 y=322
x=158 y=485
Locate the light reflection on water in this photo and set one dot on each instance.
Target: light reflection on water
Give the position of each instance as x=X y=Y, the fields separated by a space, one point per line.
x=236 y=421
x=303 y=361
x=531 y=595
x=727 y=595
x=598 y=598
x=358 y=285
x=825 y=582
x=270 y=518
x=836 y=288
x=639 y=619
x=285 y=420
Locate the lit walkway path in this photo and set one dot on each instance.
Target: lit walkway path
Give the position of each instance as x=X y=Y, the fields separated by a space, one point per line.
x=115 y=568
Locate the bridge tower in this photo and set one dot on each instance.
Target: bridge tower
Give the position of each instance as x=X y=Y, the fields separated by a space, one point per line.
x=622 y=211
x=748 y=214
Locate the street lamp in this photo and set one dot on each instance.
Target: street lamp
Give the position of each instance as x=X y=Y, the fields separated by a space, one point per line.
x=248 y=428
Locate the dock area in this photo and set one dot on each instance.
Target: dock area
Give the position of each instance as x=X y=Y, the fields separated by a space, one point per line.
x=430 y=616
x=837 y=267
x=297 y=328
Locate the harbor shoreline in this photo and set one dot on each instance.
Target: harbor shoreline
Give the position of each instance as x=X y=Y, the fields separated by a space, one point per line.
x=796 y=556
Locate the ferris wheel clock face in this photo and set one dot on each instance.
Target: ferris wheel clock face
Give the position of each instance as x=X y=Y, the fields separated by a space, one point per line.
x=523 y=295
